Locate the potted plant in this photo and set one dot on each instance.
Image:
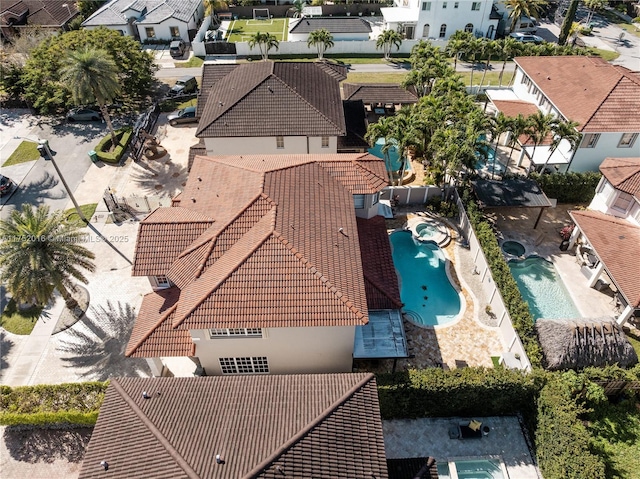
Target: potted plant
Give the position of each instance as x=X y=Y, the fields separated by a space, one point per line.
x=565 y=234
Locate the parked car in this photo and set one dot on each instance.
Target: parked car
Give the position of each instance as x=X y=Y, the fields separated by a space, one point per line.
x=186 y=115
x=84 y=114
x=526 y=25
x=177 y=48
x=527 y=38
x=184 y=85
x=6 y=185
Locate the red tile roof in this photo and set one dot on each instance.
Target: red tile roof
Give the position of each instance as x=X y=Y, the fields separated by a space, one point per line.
x=513 y=108
x=273 y=98
x=325 y=426
x=616 y=243
x=600 y=96
x=280 y=247
x=623 y=174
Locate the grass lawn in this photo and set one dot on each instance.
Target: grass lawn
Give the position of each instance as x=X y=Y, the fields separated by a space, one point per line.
x=615 y=429
x=607 y=55
x=26 y=151
x=634 y=340
x=88 y=211
x=242 y=30
x=613 y=18
x=375 y=77
x=192 y=63
x=491 y=78
x=19 y=322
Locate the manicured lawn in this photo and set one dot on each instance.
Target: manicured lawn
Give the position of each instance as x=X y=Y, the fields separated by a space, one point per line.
x=88 y=211
x=243 y=30
x=19 y=322
x=26 y=151
x=605 y=54
x=491 y=78
x=375 y=77
x=635 y=341
x=192 y=63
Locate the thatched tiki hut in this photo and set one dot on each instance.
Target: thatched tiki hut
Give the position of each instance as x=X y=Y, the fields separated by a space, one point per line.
x=578 y=343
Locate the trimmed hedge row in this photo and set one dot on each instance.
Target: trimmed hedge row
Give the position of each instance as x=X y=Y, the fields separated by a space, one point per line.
x=517 y=307
x=45 y=404
x=102 y=149
x=568 y=187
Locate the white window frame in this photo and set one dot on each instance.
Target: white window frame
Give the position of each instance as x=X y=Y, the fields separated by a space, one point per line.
x=625 y=198
x=280 y=142
x=162 y=281
x=475 y=6
x=443 y=30
x=627 y=140
x=215 y=333
x=426 y=6
x=324 y=142
x=589 y=140
x=150 y=29
x=244 y=365
x=376 y=198
x=358 y=202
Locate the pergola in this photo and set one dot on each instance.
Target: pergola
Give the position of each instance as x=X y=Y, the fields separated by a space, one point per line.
x=512 y=193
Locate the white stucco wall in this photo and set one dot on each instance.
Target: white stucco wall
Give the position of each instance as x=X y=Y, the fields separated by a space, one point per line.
x=370 y=207
x=288 y=350
x=267 y=145
x=589 y=159
x=162 y=30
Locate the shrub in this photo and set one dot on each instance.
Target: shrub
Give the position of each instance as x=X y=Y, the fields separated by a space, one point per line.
x=45 y=404
x=102 y=149
x=569 y=187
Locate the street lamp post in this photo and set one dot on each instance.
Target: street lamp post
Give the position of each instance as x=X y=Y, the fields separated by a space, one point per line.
x=43 y=147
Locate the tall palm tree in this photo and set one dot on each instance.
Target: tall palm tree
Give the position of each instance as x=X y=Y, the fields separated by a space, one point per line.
x=265 y=42
x=500 y=124
x=593 y=5
x=523 y=8
x=563 y=131
x=92 y=76
x=382 y=129
x=297 y=8
x=474 y=47
x=388 y=39
x=41 y=252
x=489 y=48
x=510 y=47
x=519 y=126
x=322 y=40
x=539 y=126
x=457 y=45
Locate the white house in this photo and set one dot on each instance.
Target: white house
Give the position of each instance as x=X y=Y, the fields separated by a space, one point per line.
x=604 y=100
x=150 y=19
x=438 y=19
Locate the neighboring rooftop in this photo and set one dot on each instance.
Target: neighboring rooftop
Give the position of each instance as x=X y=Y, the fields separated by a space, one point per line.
x=332 y=24
x=325 y=426
x=623 y=174
x=43 y=13
x=378 y=93
x=518 y=192
x=513 y=108
x=116 y=12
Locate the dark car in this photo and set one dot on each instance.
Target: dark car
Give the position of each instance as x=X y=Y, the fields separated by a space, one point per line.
x=186 y=115
x=184 y=85
x=6 y=185
x=177 y=48
x=84 y=114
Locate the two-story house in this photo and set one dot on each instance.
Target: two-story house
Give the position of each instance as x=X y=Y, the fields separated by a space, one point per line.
x=265 y=264
x=439 y=19
x=604 y=100
x=150 y=20
x=610 y=231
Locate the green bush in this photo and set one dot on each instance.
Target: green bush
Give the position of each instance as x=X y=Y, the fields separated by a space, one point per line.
x=461 y=392
x=569 y=187
x=102 y=149
x=45 y=404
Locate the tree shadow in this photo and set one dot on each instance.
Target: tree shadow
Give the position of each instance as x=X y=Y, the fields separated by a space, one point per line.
x=5 y=346
x=98 y=348
x=160 y=176
x=38 y=191
x=46 y=445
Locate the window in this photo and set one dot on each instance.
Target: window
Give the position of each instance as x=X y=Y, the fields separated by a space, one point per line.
x=636 y=215
x=376 y=198
x=468 y=27
x=590 y=140
x=627 y=140
x=279 y=142
x=444 y=5
x=443 y=30
x=622 y=202
x=162 y=281
x=475 y=6
x=175 y=32
x=235 y=333
x=151 y=33
x=456 y=4
x=426 y=6
x=255 y=365
x=358 y=201
x=425 y=31
x=325 y=142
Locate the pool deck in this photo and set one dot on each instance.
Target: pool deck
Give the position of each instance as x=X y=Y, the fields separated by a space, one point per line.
x=404 y=438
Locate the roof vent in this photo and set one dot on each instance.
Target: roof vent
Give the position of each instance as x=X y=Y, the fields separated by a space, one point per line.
x=199 y=178
x=220 y=103
x=280 y=470
x=219 y=459
x=193 y=199
x=146 y=395
x=270 y=89
x=104 y=465
x=341 y=230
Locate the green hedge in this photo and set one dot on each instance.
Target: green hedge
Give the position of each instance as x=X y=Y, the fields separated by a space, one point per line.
x=434 y=392
x=74 y=403
x=518 y=309
x=569 y=187
x=102 y=149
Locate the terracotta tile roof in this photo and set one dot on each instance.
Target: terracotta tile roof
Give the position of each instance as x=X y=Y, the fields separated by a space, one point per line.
x=163 y=235
x=325 y=426
x=599 y=96
x=271 y=98
x=197 y=149
x=45 y=13
x=623 y=174
x=332 y=24
x=380 y=278
x=378 y=93
x=616 y=243
x=513 y=108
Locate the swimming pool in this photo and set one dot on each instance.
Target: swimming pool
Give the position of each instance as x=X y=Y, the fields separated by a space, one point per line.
x=542 y=288
x=429 y=297
x=489 y=166
x=394 y=156
x=472 y=469
x=513 y=248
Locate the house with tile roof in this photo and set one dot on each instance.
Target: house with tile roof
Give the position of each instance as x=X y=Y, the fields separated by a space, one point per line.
x=18 y=15
x=610 y=231
x=148 y=20
x=265 y=264
x=340 y=28
x=274 y=108
x=325 y=426
x=439 y=19
x=604 y=100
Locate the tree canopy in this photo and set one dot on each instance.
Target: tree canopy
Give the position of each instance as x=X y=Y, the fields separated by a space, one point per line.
x=41 y=76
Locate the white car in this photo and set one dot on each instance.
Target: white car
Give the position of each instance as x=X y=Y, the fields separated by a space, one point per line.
x=527 y=37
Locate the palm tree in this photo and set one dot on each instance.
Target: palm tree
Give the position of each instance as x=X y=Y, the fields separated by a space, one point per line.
x=539 y=126
x=519 y=126
x=523 y=8
x=298 y=7
x=563 y=130
x=265 y=42
x=500 y=124
x=322 y=39
x=382 y=129
x=510 y=47
x=388 y=39
x=474 y=46
x=593 y=5
x=489 y=48
x=457 y=45
x=92 y=76
x=41 y=253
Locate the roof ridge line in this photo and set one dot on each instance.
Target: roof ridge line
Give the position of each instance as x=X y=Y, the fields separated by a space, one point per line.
x=146 y=336
x=306 y=429
x=601 y=103
x=164 y=442
x=377 y=285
